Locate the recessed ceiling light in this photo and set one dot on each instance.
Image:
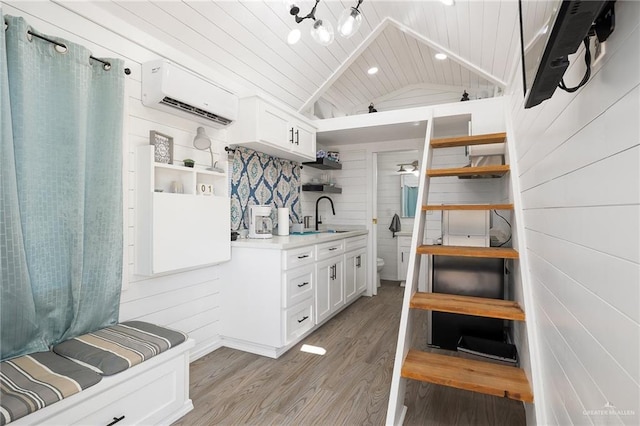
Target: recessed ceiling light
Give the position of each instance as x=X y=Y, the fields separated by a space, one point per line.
x=294 y=36
x=447 y=2
x=372 y=70
x=440 y=56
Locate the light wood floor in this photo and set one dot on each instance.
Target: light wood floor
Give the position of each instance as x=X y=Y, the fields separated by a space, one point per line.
x=347 y=386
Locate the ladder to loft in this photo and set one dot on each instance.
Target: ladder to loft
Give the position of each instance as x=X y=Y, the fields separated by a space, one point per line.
x=412 y=364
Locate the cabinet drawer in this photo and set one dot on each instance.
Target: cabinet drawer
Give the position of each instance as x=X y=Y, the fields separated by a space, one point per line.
x=298 y=257
x=332 y=248
x=299 y=284
x=298 y=320
x=355 y=242
x=145 y=399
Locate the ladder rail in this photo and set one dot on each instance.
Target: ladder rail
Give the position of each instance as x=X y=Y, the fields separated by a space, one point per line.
x=396 y=409
x=534 y=366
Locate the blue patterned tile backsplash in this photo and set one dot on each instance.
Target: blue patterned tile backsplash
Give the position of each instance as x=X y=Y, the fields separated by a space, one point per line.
x=259 y=179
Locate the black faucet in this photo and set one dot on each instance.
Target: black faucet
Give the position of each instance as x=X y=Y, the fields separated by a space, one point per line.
x=332 y=209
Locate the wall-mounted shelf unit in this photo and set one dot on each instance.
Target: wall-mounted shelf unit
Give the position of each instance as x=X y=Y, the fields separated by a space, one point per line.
x=318 y=187
x=324 y=164
x=179 y=230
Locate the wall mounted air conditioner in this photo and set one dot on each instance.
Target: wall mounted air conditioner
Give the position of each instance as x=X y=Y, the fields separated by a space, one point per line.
x=170 y=88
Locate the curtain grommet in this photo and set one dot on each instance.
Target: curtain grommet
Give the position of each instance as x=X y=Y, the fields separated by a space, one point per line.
x=60 y=48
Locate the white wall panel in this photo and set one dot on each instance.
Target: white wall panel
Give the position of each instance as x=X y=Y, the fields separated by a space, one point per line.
x=578 y=156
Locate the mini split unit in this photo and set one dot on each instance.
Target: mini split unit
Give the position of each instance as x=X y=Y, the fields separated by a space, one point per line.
x=170 y=88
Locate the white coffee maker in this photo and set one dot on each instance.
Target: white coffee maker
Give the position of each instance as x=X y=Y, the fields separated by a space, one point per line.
x=260 y=223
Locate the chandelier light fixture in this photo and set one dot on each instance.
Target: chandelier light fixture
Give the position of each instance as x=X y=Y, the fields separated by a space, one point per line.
x=322 y=30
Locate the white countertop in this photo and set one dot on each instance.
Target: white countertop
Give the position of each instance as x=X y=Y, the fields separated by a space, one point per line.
x=404 y=233
x=295 y=241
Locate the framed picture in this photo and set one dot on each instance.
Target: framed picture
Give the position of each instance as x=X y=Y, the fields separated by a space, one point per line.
x=163 y=151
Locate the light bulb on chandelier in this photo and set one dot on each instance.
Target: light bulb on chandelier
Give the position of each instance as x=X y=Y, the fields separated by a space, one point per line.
x=350 y=20
x=322 y=30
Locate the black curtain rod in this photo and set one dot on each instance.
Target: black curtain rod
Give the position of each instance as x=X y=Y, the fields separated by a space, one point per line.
x=106 y=65
x=226 y=148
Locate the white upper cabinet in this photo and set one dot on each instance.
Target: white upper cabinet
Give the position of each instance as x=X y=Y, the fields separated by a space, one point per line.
x=270 y=129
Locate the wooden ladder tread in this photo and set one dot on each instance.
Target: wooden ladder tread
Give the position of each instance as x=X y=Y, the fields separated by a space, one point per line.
x=468 y=305
x=495 y=170
x=469 y=140
x=468 y=207
x=466 y=251
x=477 y=376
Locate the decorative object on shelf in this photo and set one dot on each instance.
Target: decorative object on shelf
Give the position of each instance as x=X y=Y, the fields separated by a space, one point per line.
x=260 y=179
x=177 y=187
x=163 y=147
x=188 y=162
x=333 y=155
x=202 y=141
x=372 y=108
x=321 y=153
x=322 y=31
x=465 y=96
x=204 y=188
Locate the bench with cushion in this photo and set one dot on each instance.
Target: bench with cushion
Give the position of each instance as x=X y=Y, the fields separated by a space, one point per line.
x=129 y=373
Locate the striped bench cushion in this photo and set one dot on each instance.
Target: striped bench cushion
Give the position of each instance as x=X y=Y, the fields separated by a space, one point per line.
x=114 y=349
x=31 y=382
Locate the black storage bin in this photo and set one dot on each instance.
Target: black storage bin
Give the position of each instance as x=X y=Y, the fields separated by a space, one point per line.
x=483 y=349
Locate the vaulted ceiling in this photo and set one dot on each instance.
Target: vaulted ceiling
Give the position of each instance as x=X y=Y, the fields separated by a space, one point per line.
x=246 y=40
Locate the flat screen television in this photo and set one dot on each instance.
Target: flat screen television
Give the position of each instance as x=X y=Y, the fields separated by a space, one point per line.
x=550 y=31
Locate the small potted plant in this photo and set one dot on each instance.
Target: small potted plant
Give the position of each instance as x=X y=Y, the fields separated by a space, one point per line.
x=188 y=162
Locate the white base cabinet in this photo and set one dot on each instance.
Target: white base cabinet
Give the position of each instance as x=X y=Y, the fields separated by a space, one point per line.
x=272 y=298
x=403 y=253
x=155 y=392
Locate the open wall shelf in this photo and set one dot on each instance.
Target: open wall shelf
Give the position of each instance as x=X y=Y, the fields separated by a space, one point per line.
x=324 y=164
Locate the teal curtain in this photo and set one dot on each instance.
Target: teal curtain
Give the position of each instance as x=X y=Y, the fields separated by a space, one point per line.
x=410 y=200
x=61 y=191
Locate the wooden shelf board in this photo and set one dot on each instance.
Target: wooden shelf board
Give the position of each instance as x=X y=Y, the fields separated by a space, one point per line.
x=476 y=376
x=469 y=140
x=468 y=305
x=496 y=170
x=467 y=207
x=465 y=251
x=324 y=164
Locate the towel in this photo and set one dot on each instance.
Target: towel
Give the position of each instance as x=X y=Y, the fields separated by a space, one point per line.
x=395 y=225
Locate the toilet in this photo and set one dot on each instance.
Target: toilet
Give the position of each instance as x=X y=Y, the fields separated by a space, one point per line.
x=379 y=266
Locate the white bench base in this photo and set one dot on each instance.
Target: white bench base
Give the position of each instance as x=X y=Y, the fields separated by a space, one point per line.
x=154 y=392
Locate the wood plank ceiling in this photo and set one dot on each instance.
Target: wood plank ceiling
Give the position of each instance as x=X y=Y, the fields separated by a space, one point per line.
x=246 y=40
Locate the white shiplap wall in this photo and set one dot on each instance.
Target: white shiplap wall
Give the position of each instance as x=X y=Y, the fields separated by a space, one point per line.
x=186 y=301
x=389 y=203
x=578 y=157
